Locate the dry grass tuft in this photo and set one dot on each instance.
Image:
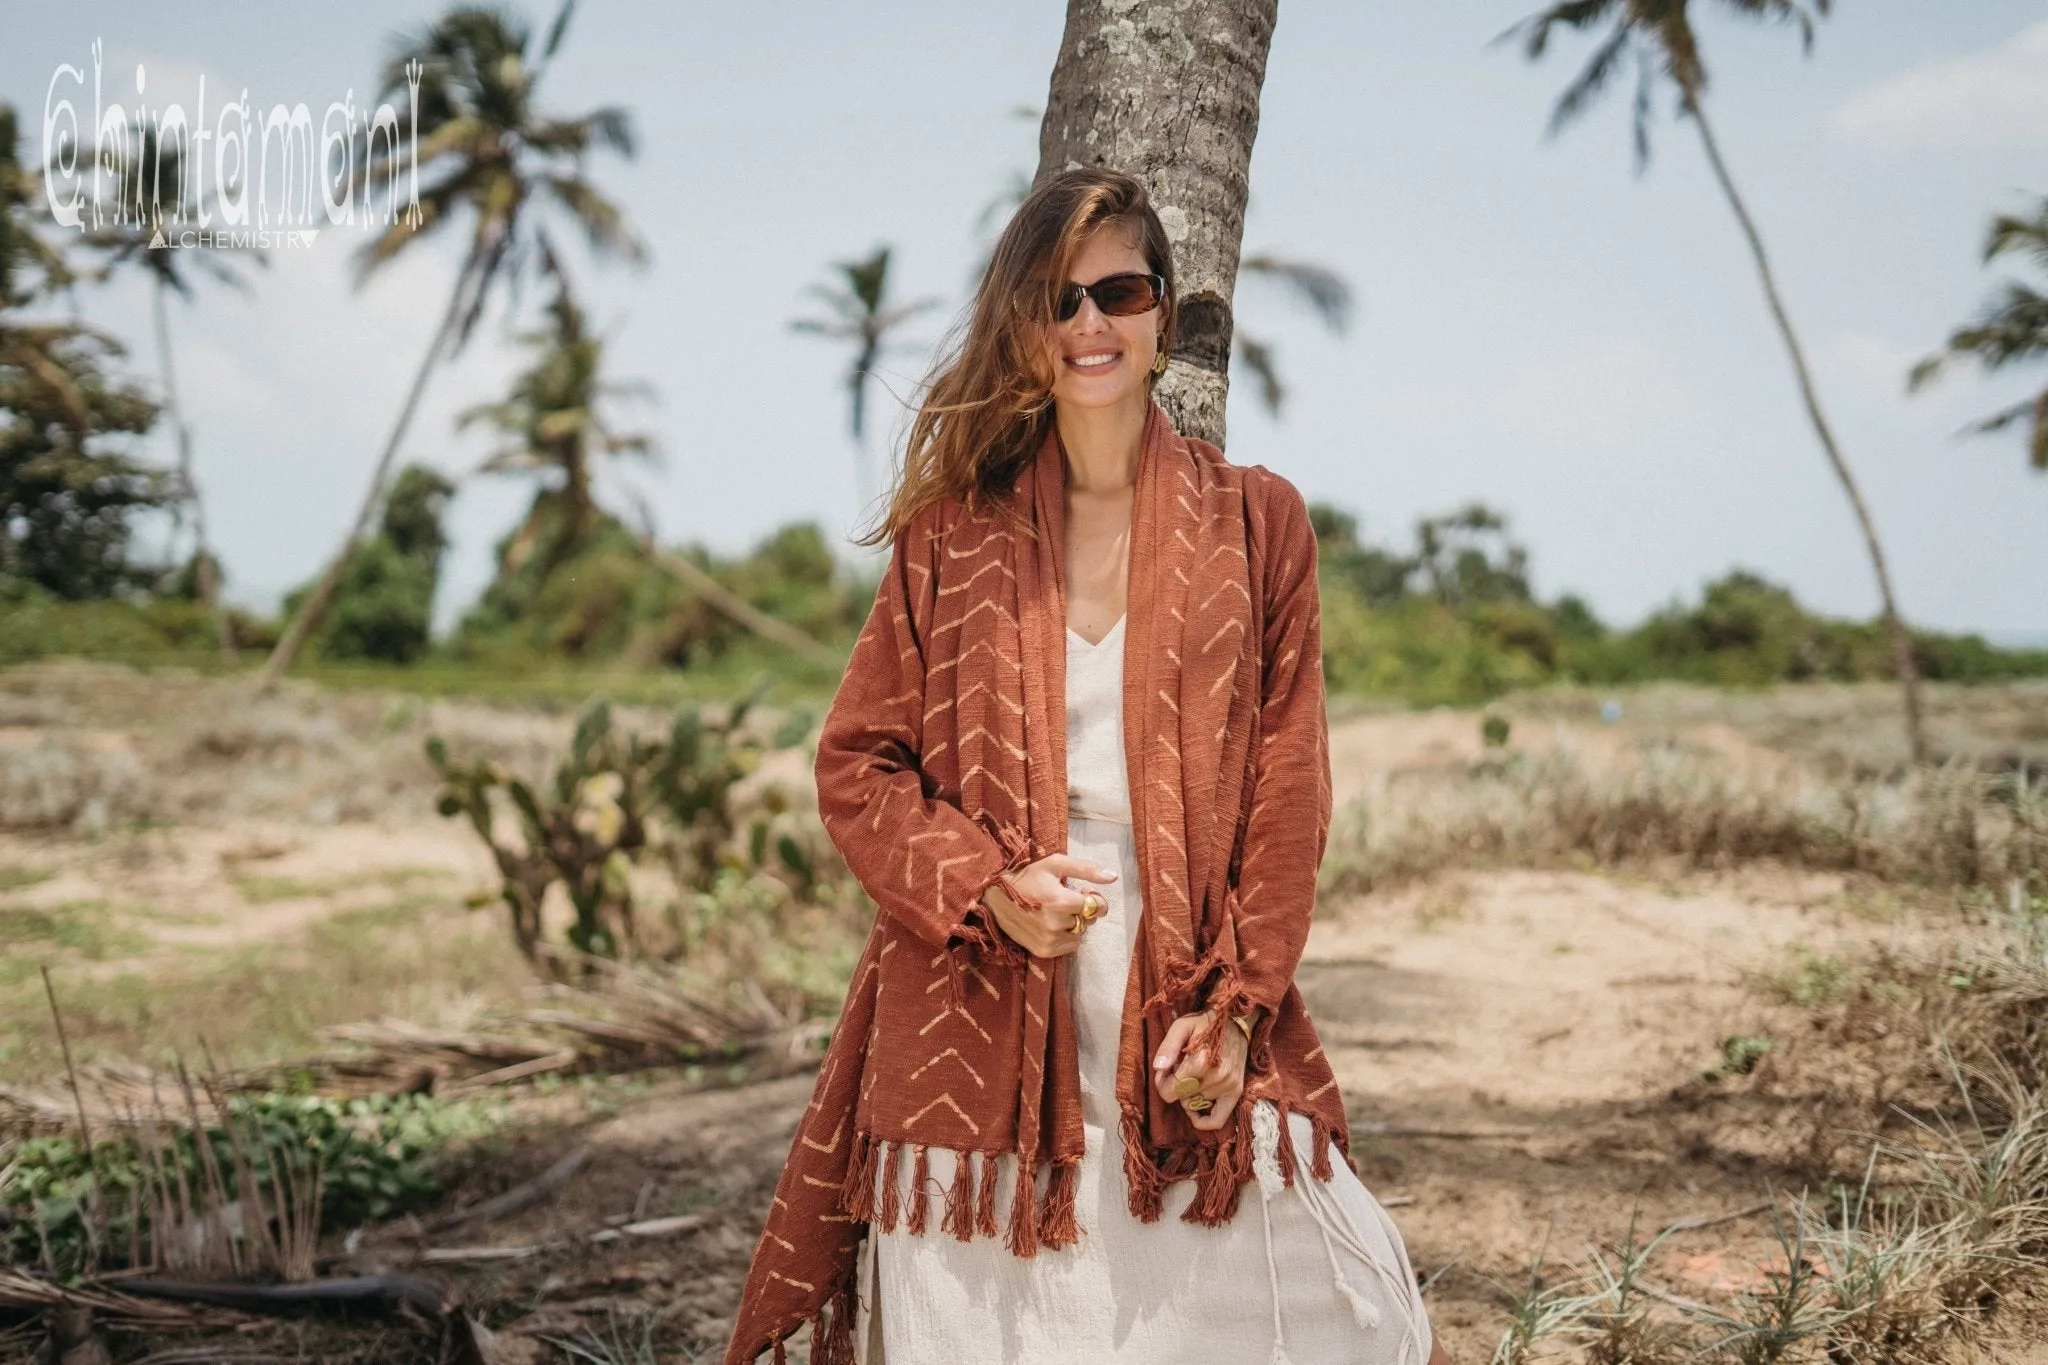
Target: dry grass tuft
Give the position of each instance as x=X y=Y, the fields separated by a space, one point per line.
x=1949 y=1221
x=1945 y=828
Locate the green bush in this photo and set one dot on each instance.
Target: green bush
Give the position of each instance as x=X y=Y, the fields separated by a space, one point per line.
x=383 y=608
x=39 y=625
x=1456 y=622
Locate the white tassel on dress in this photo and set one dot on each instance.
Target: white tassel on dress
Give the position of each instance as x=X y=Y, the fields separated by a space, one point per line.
x=1266 y=1166
x=1331 y=1218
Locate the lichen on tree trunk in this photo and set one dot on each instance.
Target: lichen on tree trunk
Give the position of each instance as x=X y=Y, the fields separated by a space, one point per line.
x=1168 y=91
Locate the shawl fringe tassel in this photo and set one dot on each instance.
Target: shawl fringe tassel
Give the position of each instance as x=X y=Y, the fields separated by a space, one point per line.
x=831 y=1330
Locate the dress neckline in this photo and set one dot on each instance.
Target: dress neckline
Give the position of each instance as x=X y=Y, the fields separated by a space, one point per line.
x=1105 y=636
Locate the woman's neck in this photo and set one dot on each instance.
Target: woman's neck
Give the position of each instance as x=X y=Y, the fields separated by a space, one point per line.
x=1102 y=444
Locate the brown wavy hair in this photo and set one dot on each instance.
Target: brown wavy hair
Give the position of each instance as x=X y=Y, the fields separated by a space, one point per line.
x=988 y=399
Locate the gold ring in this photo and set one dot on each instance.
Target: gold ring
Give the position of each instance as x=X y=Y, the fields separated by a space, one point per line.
x=1186 y=1086
x=1080 y=923
x=1198 y=1104
x=1094 y=905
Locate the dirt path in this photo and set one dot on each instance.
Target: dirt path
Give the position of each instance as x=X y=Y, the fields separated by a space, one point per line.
x=1559 y=1025
x=1521 y=1054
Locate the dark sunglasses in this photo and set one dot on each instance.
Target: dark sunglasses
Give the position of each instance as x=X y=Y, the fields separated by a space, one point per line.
x=1118 y=296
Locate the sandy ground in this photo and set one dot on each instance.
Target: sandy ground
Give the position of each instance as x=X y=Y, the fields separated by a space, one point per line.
x=1521 y=1052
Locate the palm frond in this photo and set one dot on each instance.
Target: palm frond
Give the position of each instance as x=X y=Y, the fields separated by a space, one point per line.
x=1535 y=30
x=557 y=29
x=1259 y=359
x=1639 y=120
x=1319 y=286
x=604 y=226
x=2027 y=236
x=1591 y=81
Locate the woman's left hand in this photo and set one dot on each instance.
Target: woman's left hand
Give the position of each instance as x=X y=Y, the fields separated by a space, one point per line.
x=1222 y=1081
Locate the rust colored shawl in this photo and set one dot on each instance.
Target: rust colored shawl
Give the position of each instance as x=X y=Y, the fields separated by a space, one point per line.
x=942 y=764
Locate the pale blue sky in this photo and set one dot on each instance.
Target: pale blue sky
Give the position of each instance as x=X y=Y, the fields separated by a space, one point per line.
x=1538 y=327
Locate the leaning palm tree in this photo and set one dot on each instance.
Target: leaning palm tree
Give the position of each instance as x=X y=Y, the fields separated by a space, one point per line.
x=863 y=315
x=133 y=241
x=2010 y=330
x=1658 y=36
x=493 y=155
x=554 y=420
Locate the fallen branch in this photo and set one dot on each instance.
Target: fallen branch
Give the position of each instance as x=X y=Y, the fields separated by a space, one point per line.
x=378 y=1293
x=1449 y=1134
x=1713 y=1220
x=19 y=1290
x=520 y=1197
x=652 y=1227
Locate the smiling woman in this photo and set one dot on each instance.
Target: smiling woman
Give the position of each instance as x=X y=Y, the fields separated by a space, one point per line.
x=1080 y=760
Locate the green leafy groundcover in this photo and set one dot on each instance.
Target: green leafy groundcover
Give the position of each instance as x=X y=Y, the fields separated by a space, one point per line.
x=379 y=1156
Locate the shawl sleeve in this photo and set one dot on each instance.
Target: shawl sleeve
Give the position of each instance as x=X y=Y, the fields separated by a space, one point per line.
x=922 y=859
x=1289 y=824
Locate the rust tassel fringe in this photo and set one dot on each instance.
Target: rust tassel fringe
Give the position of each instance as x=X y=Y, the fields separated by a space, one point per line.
x=1288 y=1161
x=920 y=1201
x=886 y=1176
x=1224 y=1169
x=1023 y=1238
x=1056 y=1223
x=857 y=1195
x=985 y=1204
x=1320 y=1168
x=1142 y=1177
x=832 y=1342
x=959 y=1219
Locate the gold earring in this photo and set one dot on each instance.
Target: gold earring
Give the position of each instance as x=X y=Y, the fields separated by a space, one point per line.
x=1159 y=360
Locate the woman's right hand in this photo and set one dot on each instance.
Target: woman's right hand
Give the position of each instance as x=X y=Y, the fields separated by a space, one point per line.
x=1044 y=929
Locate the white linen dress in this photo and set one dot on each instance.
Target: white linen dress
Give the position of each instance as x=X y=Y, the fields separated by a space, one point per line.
x=1312 y=1274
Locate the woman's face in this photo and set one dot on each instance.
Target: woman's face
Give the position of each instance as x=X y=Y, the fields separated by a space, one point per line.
x=1099 y=361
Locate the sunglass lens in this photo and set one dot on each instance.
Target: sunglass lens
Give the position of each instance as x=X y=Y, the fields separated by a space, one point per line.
x=1070 y=302
x=1123 y=295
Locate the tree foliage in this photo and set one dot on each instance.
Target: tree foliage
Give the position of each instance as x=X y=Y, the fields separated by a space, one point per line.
x=2012 y=329
x=1455 y=619
x=384 y=607
x=69 y=481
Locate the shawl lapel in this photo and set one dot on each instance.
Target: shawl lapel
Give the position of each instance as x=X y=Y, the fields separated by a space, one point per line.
x=1190 y=691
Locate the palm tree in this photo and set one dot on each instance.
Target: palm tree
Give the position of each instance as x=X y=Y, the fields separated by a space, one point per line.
x=2009 y=330
x=1125 y=104
x=1659 y=36
x=863 y=315
x=493 y=152
x=134 y=243
x=553 y=419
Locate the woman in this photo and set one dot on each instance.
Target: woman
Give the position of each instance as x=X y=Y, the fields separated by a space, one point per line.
x=1080 y=760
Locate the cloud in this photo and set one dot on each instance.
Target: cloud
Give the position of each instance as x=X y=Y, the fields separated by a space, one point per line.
x=1981 y=100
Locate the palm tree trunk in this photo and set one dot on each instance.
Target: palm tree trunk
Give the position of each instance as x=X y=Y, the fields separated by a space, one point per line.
x=1123 y=95
x=208 y=581
x=723 y=599
x=1901 y=641
x=315 y=606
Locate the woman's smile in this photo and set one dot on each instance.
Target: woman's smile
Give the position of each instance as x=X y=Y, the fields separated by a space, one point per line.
x=1096 y=361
